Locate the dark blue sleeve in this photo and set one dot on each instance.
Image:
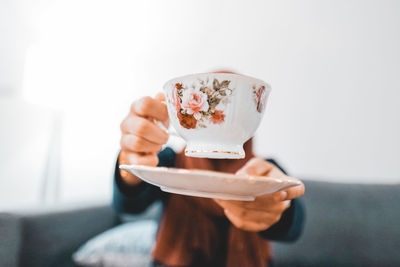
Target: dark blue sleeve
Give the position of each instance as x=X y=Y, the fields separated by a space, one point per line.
x=290 y=226
x=135 y=199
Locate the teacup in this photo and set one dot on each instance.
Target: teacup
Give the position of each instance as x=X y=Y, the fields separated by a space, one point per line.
x=216 y=113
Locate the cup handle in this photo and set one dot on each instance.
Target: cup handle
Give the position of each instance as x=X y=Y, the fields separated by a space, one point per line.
x=170 y=131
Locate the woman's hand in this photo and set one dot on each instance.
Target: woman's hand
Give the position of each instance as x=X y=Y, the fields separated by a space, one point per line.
x=141 y=137
x=264 y=211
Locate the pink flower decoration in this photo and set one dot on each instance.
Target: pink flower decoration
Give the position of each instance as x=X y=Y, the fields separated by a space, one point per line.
x=194 y=101
x=218 y=117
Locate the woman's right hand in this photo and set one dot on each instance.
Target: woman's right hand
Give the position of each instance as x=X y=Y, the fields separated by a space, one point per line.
x=141 y=137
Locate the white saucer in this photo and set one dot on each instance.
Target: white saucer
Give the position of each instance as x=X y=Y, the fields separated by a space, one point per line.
x=210 y=184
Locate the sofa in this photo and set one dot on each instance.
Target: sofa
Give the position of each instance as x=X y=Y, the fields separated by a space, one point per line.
x=346 y=225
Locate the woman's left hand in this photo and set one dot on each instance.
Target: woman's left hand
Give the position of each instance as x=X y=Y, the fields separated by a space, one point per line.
x=266 y=210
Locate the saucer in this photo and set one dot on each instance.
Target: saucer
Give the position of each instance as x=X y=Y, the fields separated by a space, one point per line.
x=210 y=184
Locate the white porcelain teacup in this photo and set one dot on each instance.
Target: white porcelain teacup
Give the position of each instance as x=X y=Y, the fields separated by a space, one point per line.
x=216 y=113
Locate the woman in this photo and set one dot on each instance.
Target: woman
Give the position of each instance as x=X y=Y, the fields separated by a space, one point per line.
x=198 y=231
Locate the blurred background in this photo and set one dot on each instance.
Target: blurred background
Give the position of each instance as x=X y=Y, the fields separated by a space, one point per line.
x=70 y=69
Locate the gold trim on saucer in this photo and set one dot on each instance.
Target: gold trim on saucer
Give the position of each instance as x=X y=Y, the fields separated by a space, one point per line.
x=214 y=151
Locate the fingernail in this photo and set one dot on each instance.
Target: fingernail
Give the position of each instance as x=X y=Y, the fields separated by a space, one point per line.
x=283 y=195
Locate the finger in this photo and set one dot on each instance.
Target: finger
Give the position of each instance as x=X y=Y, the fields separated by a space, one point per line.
x=144 y=128
x=295 y=192
x=129 y=158
x=160 y=97
x=258 y=204
x=245 y=225
x=126 y=176
x=150 y=107
x=275 y=172
x=135 y=143
x=271 y=215
x=267 y=218
x=256 y=166
x=271 y=198
x=243 y=209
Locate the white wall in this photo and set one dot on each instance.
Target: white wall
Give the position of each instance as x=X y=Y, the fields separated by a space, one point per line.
x=334 y=67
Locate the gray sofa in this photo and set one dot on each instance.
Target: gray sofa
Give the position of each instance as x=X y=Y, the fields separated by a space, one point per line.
x=347 y=225
x=48 y=238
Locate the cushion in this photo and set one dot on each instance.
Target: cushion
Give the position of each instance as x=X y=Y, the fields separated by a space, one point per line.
x=129 y=244
x=153 y=212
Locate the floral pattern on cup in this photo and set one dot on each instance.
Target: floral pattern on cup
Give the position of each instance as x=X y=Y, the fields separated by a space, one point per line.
x=260 y=97
x=202 y=103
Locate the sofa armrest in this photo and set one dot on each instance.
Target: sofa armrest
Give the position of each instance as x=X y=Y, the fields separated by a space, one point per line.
x=49 y=237
x=10 y=237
